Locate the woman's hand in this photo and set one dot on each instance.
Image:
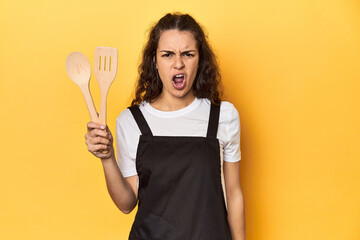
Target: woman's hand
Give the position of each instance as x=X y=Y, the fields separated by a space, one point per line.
x=99 y=139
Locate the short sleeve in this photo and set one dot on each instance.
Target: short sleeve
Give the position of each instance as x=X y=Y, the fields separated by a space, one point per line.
x=232 y=151
x=125 y=160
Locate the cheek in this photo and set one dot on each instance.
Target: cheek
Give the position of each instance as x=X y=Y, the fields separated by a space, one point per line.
x=162 y=74
x=196 y=65
x=194 y=69
x=162 y=68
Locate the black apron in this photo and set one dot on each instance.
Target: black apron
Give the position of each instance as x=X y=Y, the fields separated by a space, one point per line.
x=180 y=191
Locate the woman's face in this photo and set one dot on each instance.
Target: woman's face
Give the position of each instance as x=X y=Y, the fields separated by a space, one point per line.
x=177 y=62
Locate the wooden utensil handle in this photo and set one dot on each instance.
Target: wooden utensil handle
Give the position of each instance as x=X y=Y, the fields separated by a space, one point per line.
x=91 y=107
x=90 y=103
x=102 y=113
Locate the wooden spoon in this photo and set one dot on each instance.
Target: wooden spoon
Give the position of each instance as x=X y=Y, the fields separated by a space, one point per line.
x=79 y=70
x=105 y=65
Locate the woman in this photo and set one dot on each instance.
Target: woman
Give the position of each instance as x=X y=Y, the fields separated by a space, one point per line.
x=169 y=142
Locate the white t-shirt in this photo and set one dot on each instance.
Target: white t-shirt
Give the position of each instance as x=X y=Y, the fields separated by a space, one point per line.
x=189 y=121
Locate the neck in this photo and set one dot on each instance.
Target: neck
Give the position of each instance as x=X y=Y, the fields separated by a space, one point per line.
x=169 y=103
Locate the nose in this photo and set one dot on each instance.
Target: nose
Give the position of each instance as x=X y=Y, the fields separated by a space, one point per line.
x=179 y=63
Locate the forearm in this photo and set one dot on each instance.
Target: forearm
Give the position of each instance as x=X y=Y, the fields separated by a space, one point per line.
x=236 y=216
x=119 y=190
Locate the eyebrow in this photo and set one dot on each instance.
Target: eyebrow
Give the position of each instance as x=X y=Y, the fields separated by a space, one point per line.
x=169 y=51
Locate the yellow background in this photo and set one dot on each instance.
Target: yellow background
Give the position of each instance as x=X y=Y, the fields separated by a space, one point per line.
x=292 y=69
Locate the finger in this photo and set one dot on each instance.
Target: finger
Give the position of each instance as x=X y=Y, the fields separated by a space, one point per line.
x=95 y=149
x=99 y=140
x=100 y=147
x=105 y=150
x=92 y=125
x=103 y=155
x=109 y=135
x=97 y=132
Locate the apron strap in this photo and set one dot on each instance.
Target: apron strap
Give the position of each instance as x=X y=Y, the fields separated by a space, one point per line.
x=140 y=120
x=213 y=121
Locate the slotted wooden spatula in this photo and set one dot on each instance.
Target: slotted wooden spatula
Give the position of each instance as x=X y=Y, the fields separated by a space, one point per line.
x=105 y=67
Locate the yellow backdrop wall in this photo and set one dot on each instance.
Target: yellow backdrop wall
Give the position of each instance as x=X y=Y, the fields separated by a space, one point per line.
x=292 y=69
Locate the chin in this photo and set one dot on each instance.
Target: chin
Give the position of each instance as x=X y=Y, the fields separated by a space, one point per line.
x=182 y=93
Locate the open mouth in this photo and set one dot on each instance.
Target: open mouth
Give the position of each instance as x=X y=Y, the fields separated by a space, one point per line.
x=179 y=81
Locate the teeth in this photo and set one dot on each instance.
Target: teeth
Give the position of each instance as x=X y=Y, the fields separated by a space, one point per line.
x=179 y=75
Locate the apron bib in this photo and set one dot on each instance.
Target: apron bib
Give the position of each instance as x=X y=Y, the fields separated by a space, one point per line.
x=180 y=191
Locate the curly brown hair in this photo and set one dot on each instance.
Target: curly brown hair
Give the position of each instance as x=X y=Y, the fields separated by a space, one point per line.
x=207 y=83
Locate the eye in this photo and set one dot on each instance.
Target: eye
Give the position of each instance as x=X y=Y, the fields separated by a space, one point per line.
x=189 y=55
x=166 y=55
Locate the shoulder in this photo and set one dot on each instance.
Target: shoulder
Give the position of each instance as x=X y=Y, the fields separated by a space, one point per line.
x=229 y=116
x=228 y=111
x=126 y=120
x=225 y=106
x=228 y=107
x=126 y=116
